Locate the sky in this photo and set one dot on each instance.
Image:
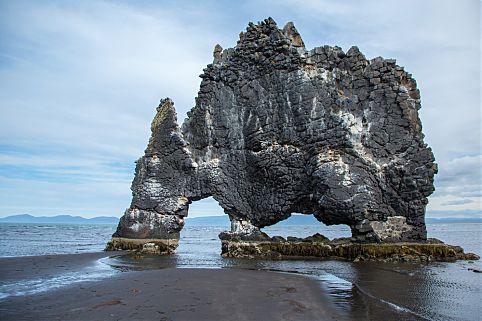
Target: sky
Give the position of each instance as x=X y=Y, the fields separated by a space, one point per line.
x=80 y=81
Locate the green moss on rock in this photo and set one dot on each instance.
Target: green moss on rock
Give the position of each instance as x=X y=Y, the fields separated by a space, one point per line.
x=408 y=252
x=145 y=246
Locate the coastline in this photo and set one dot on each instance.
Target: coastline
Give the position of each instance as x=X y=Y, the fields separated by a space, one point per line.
x=163 y=294
x=116 y=286
x=44 y=266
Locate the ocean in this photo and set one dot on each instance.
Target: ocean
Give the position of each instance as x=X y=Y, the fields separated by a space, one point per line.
x=24 y=239
x=361 y=291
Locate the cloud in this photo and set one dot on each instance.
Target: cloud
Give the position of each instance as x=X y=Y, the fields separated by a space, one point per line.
x=93 y=74
x=458 y=185
x=460 y=175
x=80 y=82
x=458 y=202
x=454 y=213
x=44 y=197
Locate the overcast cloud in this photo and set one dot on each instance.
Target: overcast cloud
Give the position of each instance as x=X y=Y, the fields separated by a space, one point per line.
x=80 y=81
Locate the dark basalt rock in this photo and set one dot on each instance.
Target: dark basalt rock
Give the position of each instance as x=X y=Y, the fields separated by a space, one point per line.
x=318 y=246
x=279 y=129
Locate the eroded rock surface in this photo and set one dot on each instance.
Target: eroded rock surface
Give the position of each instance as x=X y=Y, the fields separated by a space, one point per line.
x=318 y=246
x=280 y=129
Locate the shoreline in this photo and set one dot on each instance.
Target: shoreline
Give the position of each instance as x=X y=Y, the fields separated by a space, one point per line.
x=114 y=285
x=51 y=265
x=164 y=294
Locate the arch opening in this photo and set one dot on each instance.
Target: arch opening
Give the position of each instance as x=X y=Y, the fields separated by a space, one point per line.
x=199 y=243
x=302 y=225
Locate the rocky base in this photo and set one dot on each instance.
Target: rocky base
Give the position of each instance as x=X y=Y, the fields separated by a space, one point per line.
x=318 y=246
x=144 y=246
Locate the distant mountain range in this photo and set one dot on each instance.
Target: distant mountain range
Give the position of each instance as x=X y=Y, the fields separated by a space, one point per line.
x=195 y=221
x=224 y=220
x=59 y=219
x=298 y=219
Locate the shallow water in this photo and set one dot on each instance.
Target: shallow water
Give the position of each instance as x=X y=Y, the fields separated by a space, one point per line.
x=100 y=269
x=361 y=291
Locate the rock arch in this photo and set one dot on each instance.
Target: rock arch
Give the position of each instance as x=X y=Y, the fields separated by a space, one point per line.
x=279 y=129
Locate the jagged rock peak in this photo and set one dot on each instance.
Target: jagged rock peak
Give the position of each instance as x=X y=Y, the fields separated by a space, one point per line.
x=217 y=52
x=290 y=31
x=262 y=47
x=163 y=124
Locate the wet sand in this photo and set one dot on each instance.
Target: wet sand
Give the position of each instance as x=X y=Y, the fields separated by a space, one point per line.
x=166 y=294
x=30 y=267
x=87 y=287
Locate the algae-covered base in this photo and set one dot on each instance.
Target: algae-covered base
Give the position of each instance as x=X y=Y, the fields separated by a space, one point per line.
x=146 y=246
x=429 y=251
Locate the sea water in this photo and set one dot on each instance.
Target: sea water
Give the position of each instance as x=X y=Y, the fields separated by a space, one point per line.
x=21 y=239
x=362 y=291
x=25 y=239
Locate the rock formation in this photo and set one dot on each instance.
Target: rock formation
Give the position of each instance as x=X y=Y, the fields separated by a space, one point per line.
x=279 y=129
x=318 y=246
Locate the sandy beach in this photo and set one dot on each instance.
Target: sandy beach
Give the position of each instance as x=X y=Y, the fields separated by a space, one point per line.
x=166 y=294
x=115 y=286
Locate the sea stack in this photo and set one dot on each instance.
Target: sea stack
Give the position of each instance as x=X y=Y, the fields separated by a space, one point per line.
x=280 y=129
